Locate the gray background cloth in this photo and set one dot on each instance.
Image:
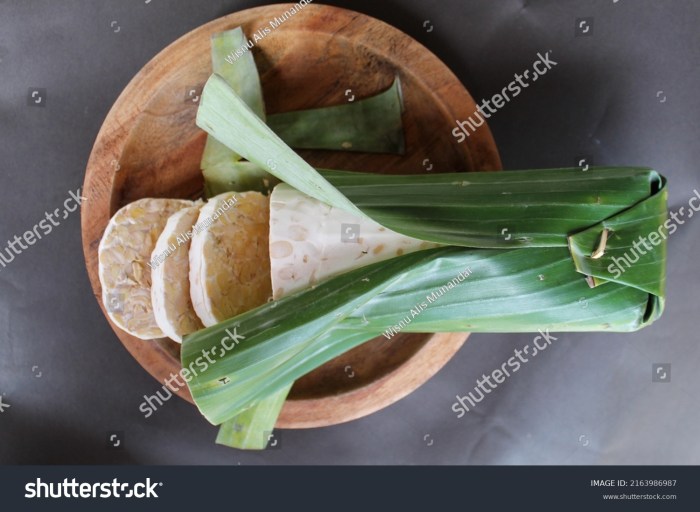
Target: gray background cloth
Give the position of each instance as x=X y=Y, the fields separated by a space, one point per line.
x=624 y=92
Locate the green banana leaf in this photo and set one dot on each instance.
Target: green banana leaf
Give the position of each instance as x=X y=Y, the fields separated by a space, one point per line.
x=553 y=272
x=371 y=125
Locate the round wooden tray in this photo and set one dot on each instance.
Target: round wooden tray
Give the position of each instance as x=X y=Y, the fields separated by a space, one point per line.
x=149 y=146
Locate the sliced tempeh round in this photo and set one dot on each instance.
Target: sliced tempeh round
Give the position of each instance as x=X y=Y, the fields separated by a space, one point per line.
x=124 y=263
x=229 y=258
x=170 y=276
x=311 y=241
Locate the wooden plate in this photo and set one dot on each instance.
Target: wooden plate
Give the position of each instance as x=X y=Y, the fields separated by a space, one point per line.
x=149 y=146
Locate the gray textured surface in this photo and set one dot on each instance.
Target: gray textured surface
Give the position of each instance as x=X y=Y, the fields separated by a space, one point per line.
x=588 y=399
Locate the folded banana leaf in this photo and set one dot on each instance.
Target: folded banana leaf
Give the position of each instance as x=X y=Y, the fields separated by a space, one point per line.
x=541 y=249
x=370 y=125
